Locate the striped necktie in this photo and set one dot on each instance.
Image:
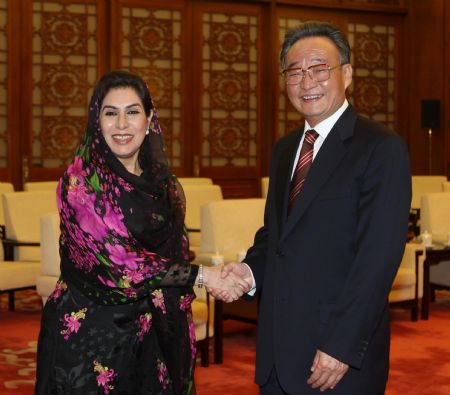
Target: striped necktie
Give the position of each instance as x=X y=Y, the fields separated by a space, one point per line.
x=303 y=165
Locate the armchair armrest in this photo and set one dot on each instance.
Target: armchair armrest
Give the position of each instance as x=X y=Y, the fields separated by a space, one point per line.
x=9 y=244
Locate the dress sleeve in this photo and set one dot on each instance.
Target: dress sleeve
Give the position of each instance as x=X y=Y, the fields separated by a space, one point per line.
x=179 y=275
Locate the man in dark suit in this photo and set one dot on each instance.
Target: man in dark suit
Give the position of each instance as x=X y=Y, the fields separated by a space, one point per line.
x=332 y=239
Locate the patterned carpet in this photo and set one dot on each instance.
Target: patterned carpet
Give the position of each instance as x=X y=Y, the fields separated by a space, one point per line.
x=19 y=332
x=420 y=352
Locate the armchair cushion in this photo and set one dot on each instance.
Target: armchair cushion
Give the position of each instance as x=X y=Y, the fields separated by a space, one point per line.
x=22 y=212
x=425 y=184
x=16 y=275
x=229 y=226
x=403 y=287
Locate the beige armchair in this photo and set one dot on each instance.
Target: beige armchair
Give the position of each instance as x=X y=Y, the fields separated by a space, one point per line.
x=195 y=181
x=228 y=228
x=4 y=188
x=420 y=186
x=196 y=196
x=16 y=276
x=407 y=288
x=446 y=186
x=435 y=218
x=40 y=186
x=22 y=213
x=264 y=186
x=425 y=184
x=50 y=260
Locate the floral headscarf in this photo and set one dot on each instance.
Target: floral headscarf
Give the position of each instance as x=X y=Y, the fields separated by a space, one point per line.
x=122 y=235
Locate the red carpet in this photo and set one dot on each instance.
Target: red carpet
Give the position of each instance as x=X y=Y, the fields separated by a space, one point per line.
x=420 y=353
x=18 y=340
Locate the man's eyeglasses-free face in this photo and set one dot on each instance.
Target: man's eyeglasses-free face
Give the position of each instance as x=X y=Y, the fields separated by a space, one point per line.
x=318 y=73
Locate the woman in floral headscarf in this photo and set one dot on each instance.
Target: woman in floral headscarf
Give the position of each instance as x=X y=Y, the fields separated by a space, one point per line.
x=120 y=320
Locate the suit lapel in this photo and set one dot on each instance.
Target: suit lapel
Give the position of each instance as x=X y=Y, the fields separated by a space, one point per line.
x=327 y=159
x=284 y=170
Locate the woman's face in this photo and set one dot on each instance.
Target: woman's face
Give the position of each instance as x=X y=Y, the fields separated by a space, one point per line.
x=123 y=123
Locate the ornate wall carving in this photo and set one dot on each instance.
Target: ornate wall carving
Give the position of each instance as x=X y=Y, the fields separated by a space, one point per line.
x=151 y=47
x=230 y=70
x=210 y=66
x=373 y=91
x=64 y=70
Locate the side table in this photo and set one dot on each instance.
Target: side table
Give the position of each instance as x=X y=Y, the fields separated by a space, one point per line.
x=433 y=256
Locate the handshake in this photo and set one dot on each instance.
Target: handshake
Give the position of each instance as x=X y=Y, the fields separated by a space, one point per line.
x=228 y=282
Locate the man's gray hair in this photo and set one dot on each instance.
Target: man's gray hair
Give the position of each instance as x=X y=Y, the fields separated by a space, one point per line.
x=316 y=29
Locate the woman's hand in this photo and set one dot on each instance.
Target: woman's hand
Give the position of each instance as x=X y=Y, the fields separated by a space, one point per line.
x=230 y=288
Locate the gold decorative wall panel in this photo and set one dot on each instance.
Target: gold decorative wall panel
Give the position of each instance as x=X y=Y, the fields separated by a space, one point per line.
x=373 y=90
x=3 y=83
x=64 y=70
x=229 y=90
x=151 y=47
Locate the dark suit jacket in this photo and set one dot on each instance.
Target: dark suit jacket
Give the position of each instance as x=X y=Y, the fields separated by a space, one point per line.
x=326 y=271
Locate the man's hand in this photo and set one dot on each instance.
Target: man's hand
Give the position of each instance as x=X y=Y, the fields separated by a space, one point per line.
x=229 y=271
x=327 y=371
x=228 y=288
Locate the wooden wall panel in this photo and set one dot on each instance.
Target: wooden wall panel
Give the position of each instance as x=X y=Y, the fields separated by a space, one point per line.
x=228 y=91
x=152 y=41
x=63 y=45
x=426 y=81
x=10 y=77
x=212 y=67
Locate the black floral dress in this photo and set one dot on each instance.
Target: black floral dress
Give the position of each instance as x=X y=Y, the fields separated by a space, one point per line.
x=120 y=319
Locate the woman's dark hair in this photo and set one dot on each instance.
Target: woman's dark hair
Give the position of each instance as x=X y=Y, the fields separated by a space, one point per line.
x=123 y=79
x=316 y=29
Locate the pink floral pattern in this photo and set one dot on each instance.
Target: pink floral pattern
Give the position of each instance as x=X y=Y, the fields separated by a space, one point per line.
x=120 y=256
x=145 y=323
x=192 y=339
x=72 y=322
x=163 y=373
x=104 y=377
x=158 y=300
x=60 y=287
x=186 y=301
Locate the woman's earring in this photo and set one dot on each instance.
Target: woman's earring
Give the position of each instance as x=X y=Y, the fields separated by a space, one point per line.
x=147 y=132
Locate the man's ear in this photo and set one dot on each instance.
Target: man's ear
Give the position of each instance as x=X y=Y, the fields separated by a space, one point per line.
x=347 y=70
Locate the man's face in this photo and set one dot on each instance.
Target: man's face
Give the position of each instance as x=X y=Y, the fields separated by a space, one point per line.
x=316 y=101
